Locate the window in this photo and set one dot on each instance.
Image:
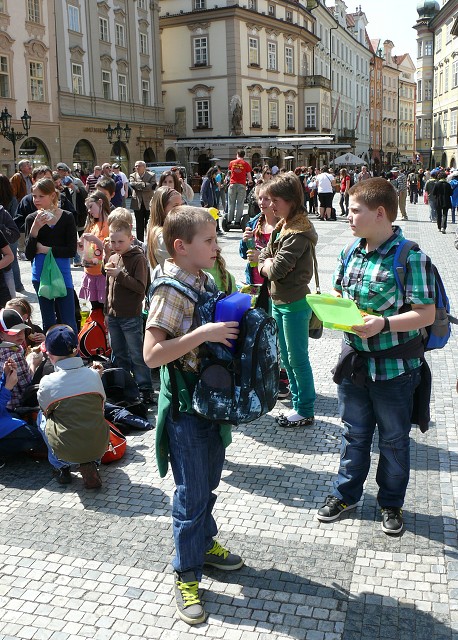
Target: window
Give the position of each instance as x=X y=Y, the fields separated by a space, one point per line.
x=73 y=18
x=289 y=60
x=453 y=122
x=253 y=51
x=455 y=74
x=199 y=4
x=144 y=43
x=448 y=37
x=145 y=93
x=203 y=114
x=427 y=128
x=290 y=120
x=428 y=48
x=428 y=89
x=142 y=4
x=420 y=50
x=253 y=5
x=447 y=75
x=289 y=16
x=77 y=78
x=120 y=35
x=2 y=6
x=255 y=111
x=33 y=11
x=273 y=114
x=201 y=52
x=106 y=84
x=439 y=40
x=37 y=86
x=4 y=78
x=122 y=87
x=271 y=10
x=272 y=56
x=310 y=117
x=103 y=29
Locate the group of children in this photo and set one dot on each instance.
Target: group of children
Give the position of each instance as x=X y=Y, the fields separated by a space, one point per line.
x=183 y=241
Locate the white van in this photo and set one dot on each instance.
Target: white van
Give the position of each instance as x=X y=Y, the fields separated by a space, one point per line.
x=159 y=167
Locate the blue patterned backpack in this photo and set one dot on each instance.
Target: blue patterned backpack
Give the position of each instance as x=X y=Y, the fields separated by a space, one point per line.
x=234 y=386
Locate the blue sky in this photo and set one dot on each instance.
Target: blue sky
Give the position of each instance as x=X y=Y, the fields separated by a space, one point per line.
x=390 y=20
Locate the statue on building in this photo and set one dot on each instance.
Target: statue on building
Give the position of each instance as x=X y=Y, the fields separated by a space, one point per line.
x=236 y=115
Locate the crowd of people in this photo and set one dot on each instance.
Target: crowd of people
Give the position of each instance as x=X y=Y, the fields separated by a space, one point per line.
x=48 y=214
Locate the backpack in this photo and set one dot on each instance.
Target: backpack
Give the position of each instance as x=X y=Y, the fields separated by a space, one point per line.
x=436 y=335
x=234 y=386
x=93 y=337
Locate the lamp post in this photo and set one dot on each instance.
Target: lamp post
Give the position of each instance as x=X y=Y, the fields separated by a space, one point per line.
x=315 y=155
x=381 y=158
x=370 y=151
x=117 y=133
x=10 y=133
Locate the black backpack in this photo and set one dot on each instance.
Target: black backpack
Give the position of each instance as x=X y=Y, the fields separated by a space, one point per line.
x=237 y=386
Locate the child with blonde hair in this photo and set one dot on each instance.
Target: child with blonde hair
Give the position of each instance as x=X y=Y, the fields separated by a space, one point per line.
x=91 y=244
x=162 y=202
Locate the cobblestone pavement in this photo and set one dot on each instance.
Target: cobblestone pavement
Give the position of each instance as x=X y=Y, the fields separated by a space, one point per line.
x=80 y=564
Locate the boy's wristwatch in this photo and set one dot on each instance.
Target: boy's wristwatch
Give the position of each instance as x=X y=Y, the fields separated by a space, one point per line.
x=386 y=326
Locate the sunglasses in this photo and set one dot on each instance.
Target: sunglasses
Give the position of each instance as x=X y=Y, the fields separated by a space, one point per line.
x=268 y=173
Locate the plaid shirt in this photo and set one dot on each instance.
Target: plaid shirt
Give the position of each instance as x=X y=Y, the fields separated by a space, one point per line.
x=369 y=281
x=172 y=312
x=401 y=182
x=24 y=375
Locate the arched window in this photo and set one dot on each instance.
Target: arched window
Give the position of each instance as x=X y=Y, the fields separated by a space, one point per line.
x=170 y=155
x=84 y=156
x=149 y=155
x=35 y=150
x=120 y=154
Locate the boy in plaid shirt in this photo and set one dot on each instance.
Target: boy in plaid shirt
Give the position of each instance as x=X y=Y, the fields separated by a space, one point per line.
x=383 y=395
x=195 y=444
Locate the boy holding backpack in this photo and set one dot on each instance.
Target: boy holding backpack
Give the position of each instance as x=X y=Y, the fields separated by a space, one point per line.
x=380 y=366
x=195 y=444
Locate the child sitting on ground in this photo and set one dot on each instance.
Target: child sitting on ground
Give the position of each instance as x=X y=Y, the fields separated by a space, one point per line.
x=12 y=336
x=195 y=444
x=72 y=399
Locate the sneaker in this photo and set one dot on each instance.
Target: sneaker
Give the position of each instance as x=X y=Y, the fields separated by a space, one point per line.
x=333 y=508
x=392 y=521
x=21 y=256
x=189 y=606
x=283 y=390
x=62 y=475
x=222 y=558
x=90 y=474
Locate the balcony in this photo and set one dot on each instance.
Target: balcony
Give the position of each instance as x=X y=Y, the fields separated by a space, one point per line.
x=317 y=81
x=347 y=135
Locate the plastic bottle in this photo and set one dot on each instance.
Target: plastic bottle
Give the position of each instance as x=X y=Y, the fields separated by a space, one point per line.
x=85 y=311
x=251 y=244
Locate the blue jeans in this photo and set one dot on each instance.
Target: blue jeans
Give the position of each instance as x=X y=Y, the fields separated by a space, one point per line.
x=387 y=403
x=126 y=337
x=53 y=460
x=236 y=197
x=293 y=336
x=197 y=458
x=65 y=306
x=25 y=438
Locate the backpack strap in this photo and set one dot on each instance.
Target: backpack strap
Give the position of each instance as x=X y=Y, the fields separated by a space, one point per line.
x=186 y=289
x=400 y=261
x=348 y=252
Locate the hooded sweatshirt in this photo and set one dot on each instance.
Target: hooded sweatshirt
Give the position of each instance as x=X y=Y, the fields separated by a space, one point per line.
x=292 y=267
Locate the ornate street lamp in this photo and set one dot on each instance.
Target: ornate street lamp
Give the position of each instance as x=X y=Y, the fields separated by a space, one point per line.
x=370 y=152
x=10 y=133
x=117 y=132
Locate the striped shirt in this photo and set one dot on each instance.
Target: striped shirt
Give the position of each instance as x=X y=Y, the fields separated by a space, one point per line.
x=369 y=280
x=401 y=182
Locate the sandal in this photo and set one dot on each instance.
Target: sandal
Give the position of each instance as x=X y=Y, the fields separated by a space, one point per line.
x=283 y=421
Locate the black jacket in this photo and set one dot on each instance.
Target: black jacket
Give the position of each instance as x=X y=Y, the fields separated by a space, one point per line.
x=8 y=226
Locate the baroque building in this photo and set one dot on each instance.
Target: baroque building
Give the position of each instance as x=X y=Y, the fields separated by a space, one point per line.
x=28 y=79
x=437 y=83
x=79 y=66
x=247 y=75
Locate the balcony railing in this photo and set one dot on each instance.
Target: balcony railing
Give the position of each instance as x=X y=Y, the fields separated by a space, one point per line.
x=317 y=81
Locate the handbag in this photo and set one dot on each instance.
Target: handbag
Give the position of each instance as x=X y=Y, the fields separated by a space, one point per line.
x=116 y=446
x=52 y=283
x=315 y=324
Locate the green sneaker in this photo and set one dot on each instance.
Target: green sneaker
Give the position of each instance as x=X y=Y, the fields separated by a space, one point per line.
x=189 y=606
x=222 y=558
